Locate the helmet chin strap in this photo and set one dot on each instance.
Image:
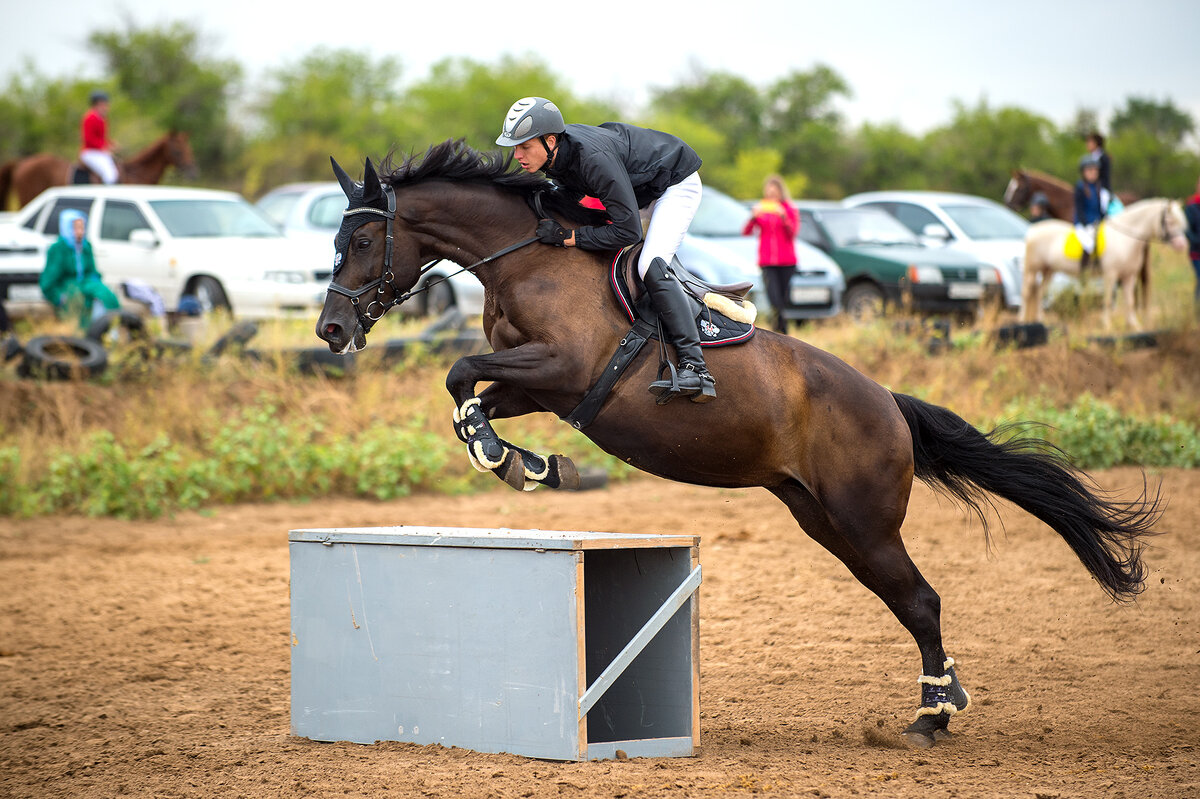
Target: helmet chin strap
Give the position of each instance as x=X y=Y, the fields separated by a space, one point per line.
x=549 y=153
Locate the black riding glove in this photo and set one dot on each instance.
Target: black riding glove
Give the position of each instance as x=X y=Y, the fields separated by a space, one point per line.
x=550 y=232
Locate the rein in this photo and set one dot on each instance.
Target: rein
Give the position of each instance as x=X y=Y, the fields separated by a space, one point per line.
x=387 y=277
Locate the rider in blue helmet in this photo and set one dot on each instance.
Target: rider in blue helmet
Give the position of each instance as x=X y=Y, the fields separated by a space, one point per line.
x=627 y=168
x=1091 y=205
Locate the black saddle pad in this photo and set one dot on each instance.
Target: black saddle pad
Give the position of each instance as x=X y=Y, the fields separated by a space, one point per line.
x=80 y=175
x=715 y=328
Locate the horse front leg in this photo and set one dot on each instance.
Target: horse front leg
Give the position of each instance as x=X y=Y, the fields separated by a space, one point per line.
x=510 y=371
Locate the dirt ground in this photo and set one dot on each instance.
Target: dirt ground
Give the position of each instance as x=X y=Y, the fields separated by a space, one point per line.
x=152 y=658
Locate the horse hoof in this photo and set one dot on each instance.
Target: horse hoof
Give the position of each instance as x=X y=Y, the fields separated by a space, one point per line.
x=564 y=469
x=512 y=470
x=919 y=740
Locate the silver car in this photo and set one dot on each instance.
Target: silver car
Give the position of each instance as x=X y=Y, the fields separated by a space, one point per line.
x=314 y=211
x=715 y=244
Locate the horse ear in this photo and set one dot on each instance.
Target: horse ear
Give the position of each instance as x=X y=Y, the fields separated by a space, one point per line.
x=371 y=188
x=343 y=179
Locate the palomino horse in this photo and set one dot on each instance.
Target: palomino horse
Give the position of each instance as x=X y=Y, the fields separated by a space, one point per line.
x=1127 y=238
x=837 y=448
x=32 y=175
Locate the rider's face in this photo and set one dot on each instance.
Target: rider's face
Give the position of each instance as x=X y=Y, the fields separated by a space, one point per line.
x=531 y=155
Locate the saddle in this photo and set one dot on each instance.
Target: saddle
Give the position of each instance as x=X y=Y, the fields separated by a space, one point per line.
x=80 y=175
x=724 y=317
x=724 y=314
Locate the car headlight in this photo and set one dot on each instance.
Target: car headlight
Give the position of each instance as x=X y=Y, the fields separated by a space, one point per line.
x=988 y=276
x=284 y=276
x=924 y=274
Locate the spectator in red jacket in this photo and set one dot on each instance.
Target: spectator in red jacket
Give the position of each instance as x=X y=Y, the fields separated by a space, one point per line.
x=778 y=222
x=97 y=148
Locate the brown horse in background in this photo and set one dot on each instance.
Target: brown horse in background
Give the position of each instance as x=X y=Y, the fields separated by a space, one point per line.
x=838 y=449
x=34 y=174
x=1027 y=182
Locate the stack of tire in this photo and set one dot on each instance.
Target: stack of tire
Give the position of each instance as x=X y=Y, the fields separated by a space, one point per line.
x=71 y=357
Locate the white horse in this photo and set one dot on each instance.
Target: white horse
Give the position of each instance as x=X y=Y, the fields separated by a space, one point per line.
x=1126 y=235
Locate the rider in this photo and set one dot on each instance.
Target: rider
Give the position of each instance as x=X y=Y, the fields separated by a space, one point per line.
x=1091 y=204
x=1039 y=208
x=97 y=148
x=626 y=168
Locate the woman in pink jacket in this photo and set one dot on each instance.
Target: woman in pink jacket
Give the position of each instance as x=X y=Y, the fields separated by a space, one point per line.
x=777 y=222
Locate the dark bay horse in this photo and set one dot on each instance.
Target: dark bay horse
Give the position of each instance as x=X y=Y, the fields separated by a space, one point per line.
x=34 y=174
x=838 y=449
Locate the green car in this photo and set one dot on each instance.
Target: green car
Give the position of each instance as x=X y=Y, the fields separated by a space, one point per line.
x=887 y=266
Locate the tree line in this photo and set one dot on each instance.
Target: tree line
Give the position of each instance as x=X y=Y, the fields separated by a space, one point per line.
x=350 y=104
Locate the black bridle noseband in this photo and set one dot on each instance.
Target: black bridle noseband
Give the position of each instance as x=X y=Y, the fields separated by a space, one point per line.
x=387 y=277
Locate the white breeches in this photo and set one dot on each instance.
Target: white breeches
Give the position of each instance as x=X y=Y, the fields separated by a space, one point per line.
x=101 y=162
x=1087 y=237
x=670 y=216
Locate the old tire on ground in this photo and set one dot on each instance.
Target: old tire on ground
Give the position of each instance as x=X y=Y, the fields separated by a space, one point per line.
x=62 y=358
x=209 y=292
x=234 y=338
x=863 y=302
x=134 y=326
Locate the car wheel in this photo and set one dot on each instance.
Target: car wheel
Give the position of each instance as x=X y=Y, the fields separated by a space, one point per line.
x=62 y=358
x=440 y=299
x=864 y=302
x=210 y=294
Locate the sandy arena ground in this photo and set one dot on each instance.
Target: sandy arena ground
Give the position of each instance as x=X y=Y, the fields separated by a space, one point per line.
x=152 y=659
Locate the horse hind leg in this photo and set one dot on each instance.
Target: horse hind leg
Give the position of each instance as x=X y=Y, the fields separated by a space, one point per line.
x=866 y=538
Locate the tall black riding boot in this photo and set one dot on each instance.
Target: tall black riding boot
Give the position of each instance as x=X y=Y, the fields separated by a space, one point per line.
x=679 y=325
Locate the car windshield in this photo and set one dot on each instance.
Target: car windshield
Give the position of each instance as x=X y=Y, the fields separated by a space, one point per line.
x=851 y=226
x=201 y=218
x=718 y=215
x=987 y=221
x=279 y=205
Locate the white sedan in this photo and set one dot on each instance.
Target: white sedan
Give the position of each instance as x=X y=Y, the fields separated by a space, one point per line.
x=312 y=212
x=210 y=244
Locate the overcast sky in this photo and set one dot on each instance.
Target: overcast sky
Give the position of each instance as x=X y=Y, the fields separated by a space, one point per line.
x=906 y=62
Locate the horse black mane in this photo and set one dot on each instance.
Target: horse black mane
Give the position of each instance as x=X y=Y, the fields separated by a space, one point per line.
x=454 y=160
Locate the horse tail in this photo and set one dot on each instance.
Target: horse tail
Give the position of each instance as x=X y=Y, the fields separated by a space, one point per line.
x=6 y=173
x=954 y=457
x=1144 y=277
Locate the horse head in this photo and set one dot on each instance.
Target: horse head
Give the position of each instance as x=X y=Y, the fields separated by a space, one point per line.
x=372 y=269
x=179 y=153
x=1174 y=225
x=1016 y=194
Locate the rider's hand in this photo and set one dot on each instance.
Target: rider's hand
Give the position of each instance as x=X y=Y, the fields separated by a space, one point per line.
x=550 y=232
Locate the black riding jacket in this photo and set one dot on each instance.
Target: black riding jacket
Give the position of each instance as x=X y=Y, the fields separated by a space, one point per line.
x=623 y=166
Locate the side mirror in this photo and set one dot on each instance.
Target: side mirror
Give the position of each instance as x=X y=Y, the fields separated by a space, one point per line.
x=935 y=230
x=143 y=237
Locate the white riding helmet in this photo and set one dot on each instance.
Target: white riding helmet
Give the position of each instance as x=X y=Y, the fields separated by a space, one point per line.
x=530 y=117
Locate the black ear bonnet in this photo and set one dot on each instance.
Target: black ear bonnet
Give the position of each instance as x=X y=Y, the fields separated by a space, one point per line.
x=366 y=202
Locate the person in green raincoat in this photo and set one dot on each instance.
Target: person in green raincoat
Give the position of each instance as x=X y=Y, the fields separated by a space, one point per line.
x=70 y=281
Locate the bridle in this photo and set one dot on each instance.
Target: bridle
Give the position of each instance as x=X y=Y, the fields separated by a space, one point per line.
x=387 y=278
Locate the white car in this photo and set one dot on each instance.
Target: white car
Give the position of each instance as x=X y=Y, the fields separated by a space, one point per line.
x=312 y=212
x=210 y=244
x=976 y=226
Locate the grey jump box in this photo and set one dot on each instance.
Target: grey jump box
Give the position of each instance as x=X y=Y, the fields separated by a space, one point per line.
x=550 y=644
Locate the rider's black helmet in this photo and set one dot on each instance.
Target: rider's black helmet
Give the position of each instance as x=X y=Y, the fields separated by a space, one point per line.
x=98 y=96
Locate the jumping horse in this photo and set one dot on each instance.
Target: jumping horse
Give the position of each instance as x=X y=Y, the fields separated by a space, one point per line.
x=837 y=448
x=1126 y=239
x=34 y=174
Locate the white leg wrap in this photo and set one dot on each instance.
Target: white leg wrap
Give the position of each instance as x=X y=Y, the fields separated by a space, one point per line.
x=925 y=679
x=479 y=467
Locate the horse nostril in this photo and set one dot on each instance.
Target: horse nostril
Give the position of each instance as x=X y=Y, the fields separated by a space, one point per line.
x=331 y=329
